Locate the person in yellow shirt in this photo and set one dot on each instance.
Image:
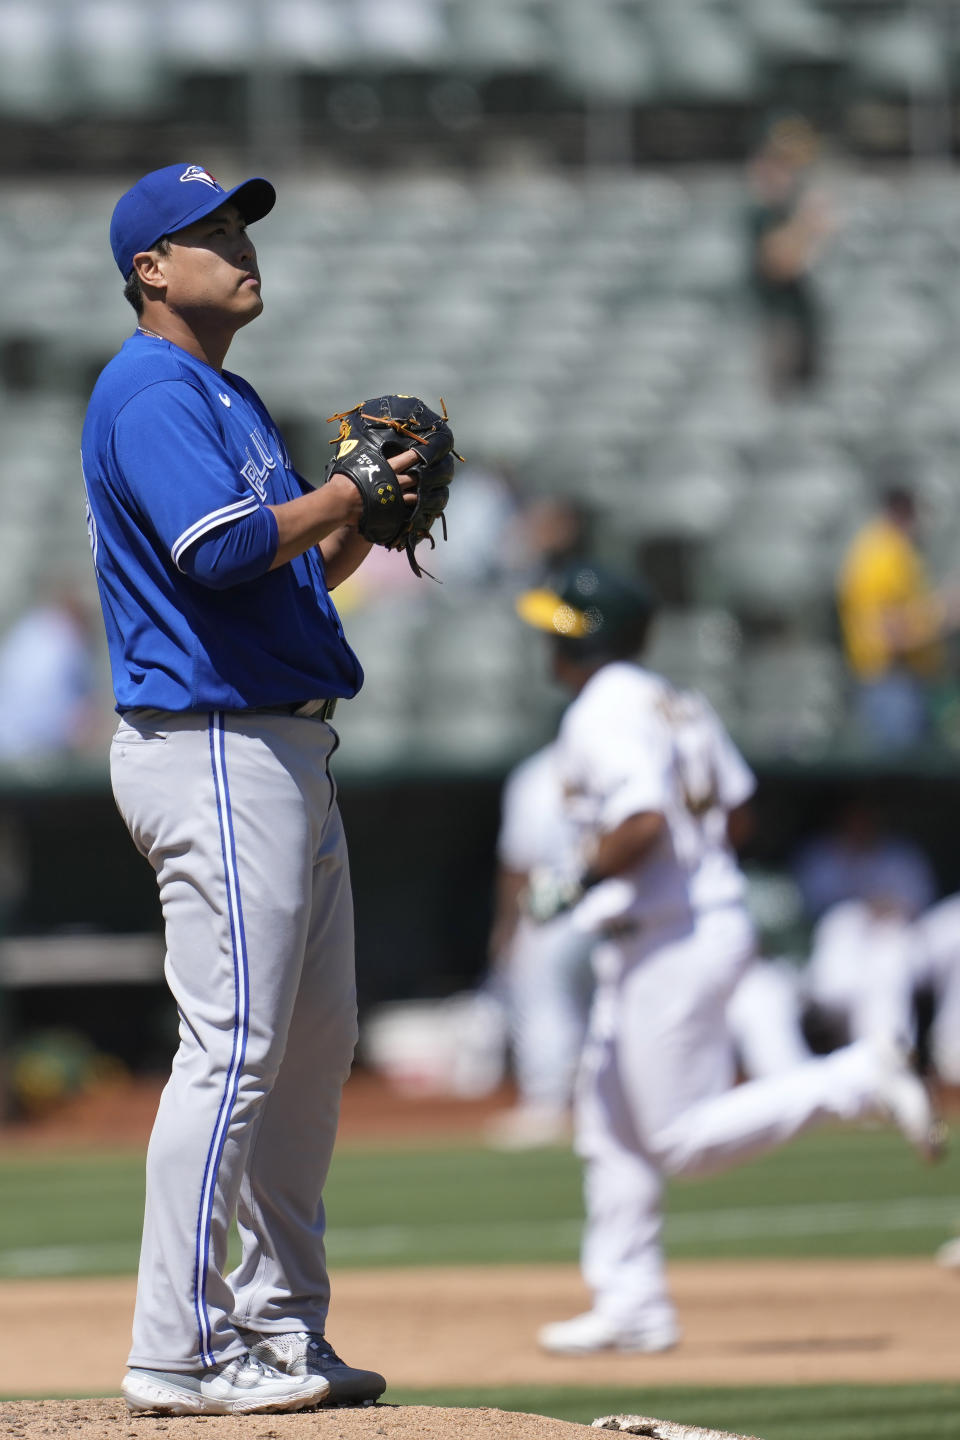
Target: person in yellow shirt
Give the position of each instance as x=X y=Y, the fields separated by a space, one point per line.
x=892 y=622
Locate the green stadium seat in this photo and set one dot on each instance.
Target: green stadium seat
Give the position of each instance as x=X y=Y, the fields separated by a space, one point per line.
x=703 y=55
x=30 y=51
x=308 y=35
x=679 y=490
x=764 y=576
x=902 y=56
x=501 y=36
x=402 y=34
x=210 y=36
x=694 y=647
x=794 y=697
x=604 y=54
x=112 y=59
x=791 y=30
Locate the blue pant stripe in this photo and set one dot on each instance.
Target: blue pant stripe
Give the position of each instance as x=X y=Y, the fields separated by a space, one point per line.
x=241 y=1022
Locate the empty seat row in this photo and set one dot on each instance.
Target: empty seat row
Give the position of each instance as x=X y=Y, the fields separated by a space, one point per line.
x=60 y=56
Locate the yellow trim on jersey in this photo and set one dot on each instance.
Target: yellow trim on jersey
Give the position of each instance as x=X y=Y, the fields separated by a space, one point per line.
x=546 y=611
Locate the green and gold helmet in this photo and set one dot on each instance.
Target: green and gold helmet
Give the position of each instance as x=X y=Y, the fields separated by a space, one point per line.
x=593 y=612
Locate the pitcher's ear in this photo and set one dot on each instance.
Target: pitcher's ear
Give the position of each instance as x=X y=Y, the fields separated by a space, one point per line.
x=148 y=265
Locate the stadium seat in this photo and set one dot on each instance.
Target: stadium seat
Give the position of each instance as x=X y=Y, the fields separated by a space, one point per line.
x=501 y=36
x=764 y=576
x=791 y=30
x=308 y=34
x=112 y=59
x=928 y=405
x=210 y=35
x=681 y=490
x=702 y=53
x=694 y=647
x=793 y=695
x=902 y=55
x=707 y=259
x=402 y=33
x=30 y=53
x=728 y=408
x=603 y=54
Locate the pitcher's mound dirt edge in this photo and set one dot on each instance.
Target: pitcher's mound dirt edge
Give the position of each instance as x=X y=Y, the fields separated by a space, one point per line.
x=110 y=1420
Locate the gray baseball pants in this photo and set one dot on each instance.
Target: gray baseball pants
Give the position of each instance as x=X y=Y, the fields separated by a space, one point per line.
x=237 y=814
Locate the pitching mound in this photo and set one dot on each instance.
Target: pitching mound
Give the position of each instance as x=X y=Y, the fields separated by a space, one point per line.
x=110 y=1420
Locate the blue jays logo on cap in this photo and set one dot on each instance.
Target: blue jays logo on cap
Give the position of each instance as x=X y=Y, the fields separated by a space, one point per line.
x=168 y=200
x=196 y=172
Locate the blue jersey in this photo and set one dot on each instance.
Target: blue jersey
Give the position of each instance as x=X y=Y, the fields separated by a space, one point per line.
x=180 y=463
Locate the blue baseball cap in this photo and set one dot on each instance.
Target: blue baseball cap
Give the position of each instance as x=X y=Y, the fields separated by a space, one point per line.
x=169 y=199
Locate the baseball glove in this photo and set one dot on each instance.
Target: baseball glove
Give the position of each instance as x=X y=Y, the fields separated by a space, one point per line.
x=373 y=432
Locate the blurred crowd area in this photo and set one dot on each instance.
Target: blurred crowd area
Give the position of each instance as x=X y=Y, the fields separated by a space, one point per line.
x=684 y=271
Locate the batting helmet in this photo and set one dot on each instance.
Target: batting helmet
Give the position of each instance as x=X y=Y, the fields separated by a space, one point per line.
x=594 y=613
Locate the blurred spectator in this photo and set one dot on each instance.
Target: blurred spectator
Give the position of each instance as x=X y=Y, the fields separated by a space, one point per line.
x=859 y=859
x=541 y=972
x=891 y=623
x=788 y=221
x=49 y=682
x=864 y=887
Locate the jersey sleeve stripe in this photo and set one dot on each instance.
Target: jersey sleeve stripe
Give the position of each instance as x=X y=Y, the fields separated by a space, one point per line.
x=210 y=522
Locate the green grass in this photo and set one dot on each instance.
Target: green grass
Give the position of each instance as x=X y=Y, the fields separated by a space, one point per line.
x=839 y=1192
x=62 y=1215
x=783 y=1412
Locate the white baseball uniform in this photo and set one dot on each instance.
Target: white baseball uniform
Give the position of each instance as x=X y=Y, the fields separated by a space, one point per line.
x=654 y=1095
x=863 y=970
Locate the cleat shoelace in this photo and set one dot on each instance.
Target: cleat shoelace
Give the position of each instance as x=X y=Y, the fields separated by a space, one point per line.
x=245 y=1371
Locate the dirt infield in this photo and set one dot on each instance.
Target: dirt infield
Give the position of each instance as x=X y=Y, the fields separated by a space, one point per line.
x=755 y=1323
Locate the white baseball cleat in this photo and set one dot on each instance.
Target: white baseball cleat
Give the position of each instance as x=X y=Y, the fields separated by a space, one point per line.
x=588 y=1333
x=305 y=1352
x=241 y=1386
x=906 y=1099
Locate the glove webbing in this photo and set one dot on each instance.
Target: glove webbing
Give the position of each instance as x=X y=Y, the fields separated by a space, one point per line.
x=408 y=428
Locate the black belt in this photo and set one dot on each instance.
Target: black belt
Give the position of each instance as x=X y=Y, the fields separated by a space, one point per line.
x=306 y=709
